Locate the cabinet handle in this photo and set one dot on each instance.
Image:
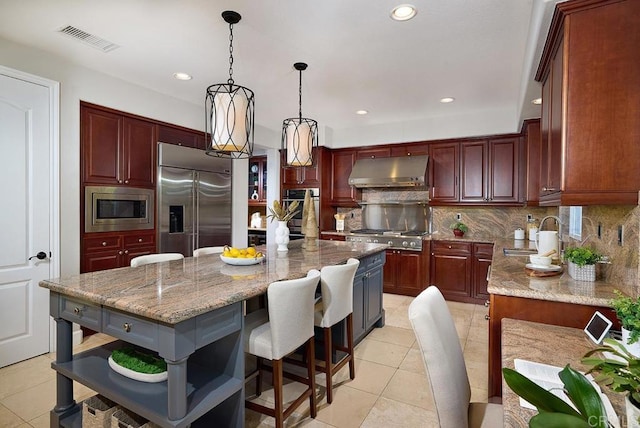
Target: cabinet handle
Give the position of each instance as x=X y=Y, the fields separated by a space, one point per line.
x=120 y=252
x=104 y=243
x=77 y=311
x=127 y=327
x=488 y=273
x=119 y=181
x=548 y=189
x=486 y=303
x=449 y=247
x=126 y=181
x=487 y=317
x=126 y=251
x=139 y=239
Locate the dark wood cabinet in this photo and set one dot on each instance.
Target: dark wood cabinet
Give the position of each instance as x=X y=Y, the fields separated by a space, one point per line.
x=406 y=272
x=444 y=169
x=411 y=149
x=117 y=149
x=301 y=177
x=482 y=256
x=343 y=194
x=459 y=269
x=451 y=269
x=102 y=251
x=372 y=153
x=257 y=194
x=333 y=237
x=490 y=171
x=180 y=136
x=589 y=66
x=531 y=166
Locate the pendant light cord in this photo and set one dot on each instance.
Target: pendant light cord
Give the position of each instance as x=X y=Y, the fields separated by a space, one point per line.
x=300 y=98
x=230 y=81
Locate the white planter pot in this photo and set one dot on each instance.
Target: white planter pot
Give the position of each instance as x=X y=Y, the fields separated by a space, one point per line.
x=633 y=414
x=282 y=236
x=633 y=348
x=584 y=273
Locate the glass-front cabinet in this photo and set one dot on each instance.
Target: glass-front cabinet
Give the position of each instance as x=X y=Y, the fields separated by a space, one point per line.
x=257 y=180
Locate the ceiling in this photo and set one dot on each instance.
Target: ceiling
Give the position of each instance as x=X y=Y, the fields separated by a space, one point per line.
x=483 y=53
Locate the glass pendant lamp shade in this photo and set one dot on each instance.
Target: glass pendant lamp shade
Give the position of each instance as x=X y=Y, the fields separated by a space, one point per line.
x=229 y=111
x=299 y=134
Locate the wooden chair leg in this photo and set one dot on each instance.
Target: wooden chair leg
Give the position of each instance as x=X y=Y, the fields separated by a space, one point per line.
x=311 y=373
x=278 y=393
x=259 y=377
x=328 y=364
x=352 y=364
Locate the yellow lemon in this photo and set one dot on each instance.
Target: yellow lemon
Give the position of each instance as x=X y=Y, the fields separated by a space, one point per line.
x=234 y=252
x=251 y=251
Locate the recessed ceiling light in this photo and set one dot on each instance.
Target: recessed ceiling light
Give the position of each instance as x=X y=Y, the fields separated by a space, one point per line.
x=403 y=12
x=362 y=112
x=446 y=100
x=182 y=76
x=537 y=101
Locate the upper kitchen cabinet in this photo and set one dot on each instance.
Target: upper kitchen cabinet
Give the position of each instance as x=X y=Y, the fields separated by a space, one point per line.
x=342 y=193
x=302 y=177
x=374 y=152
x=530 y=165
x=444 y=167
x=591 y=104
x=411 y=149
x=490 y=171
x=257 y=180
x=180 y=136
x=116 y=149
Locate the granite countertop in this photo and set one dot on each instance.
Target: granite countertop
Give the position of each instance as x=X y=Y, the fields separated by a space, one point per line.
x=540 y=343
x=508 y=278
x=175 y=291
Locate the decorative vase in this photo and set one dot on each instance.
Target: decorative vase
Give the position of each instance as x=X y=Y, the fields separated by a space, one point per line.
x=582 y=273
x=633 y=413
x=282 y=236
x=633 y=348
x=458 y=233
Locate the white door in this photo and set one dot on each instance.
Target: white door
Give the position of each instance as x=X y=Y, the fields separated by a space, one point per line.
x=27 y=134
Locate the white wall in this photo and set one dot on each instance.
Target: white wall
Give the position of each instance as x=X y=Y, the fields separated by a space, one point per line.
x=78 y=83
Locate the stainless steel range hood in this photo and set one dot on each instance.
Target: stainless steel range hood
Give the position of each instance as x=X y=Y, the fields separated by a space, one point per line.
x=405 y=171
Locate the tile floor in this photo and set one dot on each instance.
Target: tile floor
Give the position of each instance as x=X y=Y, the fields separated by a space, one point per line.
x=390 y=388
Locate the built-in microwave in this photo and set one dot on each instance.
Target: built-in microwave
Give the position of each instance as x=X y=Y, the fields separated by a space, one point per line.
x=290 y=195
x=112 y=208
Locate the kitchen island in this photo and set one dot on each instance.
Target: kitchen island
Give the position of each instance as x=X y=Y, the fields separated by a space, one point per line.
x=557 y=300
x=191 y=313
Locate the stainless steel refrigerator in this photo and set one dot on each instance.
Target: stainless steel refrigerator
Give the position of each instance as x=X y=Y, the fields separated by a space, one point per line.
x=194 y=200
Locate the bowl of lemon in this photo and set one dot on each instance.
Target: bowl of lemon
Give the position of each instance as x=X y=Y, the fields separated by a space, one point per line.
x=241 y=256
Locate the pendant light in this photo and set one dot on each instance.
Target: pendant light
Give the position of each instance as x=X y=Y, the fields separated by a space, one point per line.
x=229 y=111
x=299 y=134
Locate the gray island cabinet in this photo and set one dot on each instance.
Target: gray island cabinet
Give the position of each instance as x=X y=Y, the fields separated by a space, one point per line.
x=191 y=313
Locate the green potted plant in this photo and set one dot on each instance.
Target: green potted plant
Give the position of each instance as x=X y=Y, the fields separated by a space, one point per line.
x=619 y=370
x=553 y=411
x=459 y=228
x=582 y=263
x=628 y=312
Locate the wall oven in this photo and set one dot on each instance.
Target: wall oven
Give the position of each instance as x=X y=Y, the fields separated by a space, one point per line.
x=295 y=224
x=111 y=208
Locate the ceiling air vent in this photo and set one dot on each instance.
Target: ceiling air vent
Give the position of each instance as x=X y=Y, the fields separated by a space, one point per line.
x=90 y=39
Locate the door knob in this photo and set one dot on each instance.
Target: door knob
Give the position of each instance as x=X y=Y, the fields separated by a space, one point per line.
x=40 y=256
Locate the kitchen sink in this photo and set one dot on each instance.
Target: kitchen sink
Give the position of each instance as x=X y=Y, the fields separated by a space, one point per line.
x=519 y=251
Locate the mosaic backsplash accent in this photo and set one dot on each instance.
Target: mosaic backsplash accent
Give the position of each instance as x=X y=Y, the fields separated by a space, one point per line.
x=501 y=222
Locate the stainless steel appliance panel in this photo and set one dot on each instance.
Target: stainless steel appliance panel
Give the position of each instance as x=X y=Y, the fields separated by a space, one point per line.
x=176 y=210
x=295 y=224
x=213 y=206
x=117 y=208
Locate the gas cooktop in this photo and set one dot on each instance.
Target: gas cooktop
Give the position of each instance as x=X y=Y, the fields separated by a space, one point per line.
x=389 y=232
x=396 y=239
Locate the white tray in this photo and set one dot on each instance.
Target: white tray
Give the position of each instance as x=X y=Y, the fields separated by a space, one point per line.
x=142 y=377
x=551 y=268
x=241 y=262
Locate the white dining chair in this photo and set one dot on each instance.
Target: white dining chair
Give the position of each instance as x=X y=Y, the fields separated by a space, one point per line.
x=444 y=362
x=207 y=250
x=155 y=258
x=290 y=307
x=336 y=284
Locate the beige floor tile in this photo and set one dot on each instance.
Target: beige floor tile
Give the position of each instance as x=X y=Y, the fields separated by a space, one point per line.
x=410 y=388
x=476 y=352
x=479 y=333
x=395 y=300
x=397 y=317
x=413 y=362
x=380 y=352
x=390 y=413
x=395 y=335
x=8 y=419
x=479 y=395
x=42 y=421
x=370 y=377
x=33 y=402
x=478 y=376
x=23 y=376
x=349 y=408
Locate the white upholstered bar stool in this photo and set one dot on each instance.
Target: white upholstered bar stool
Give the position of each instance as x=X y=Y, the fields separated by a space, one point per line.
x=155 y=258
x=444 y=361
x=336 y=283
x=290 y=325
x=207 y=250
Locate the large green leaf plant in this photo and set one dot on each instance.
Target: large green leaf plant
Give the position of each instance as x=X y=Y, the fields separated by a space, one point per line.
x=553 y=412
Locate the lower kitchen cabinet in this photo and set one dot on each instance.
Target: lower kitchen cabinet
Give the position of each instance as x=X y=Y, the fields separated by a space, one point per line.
x=459 y=269
x=406 y=272
x=102 y=251
x=542 y=311
x=367 y=296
